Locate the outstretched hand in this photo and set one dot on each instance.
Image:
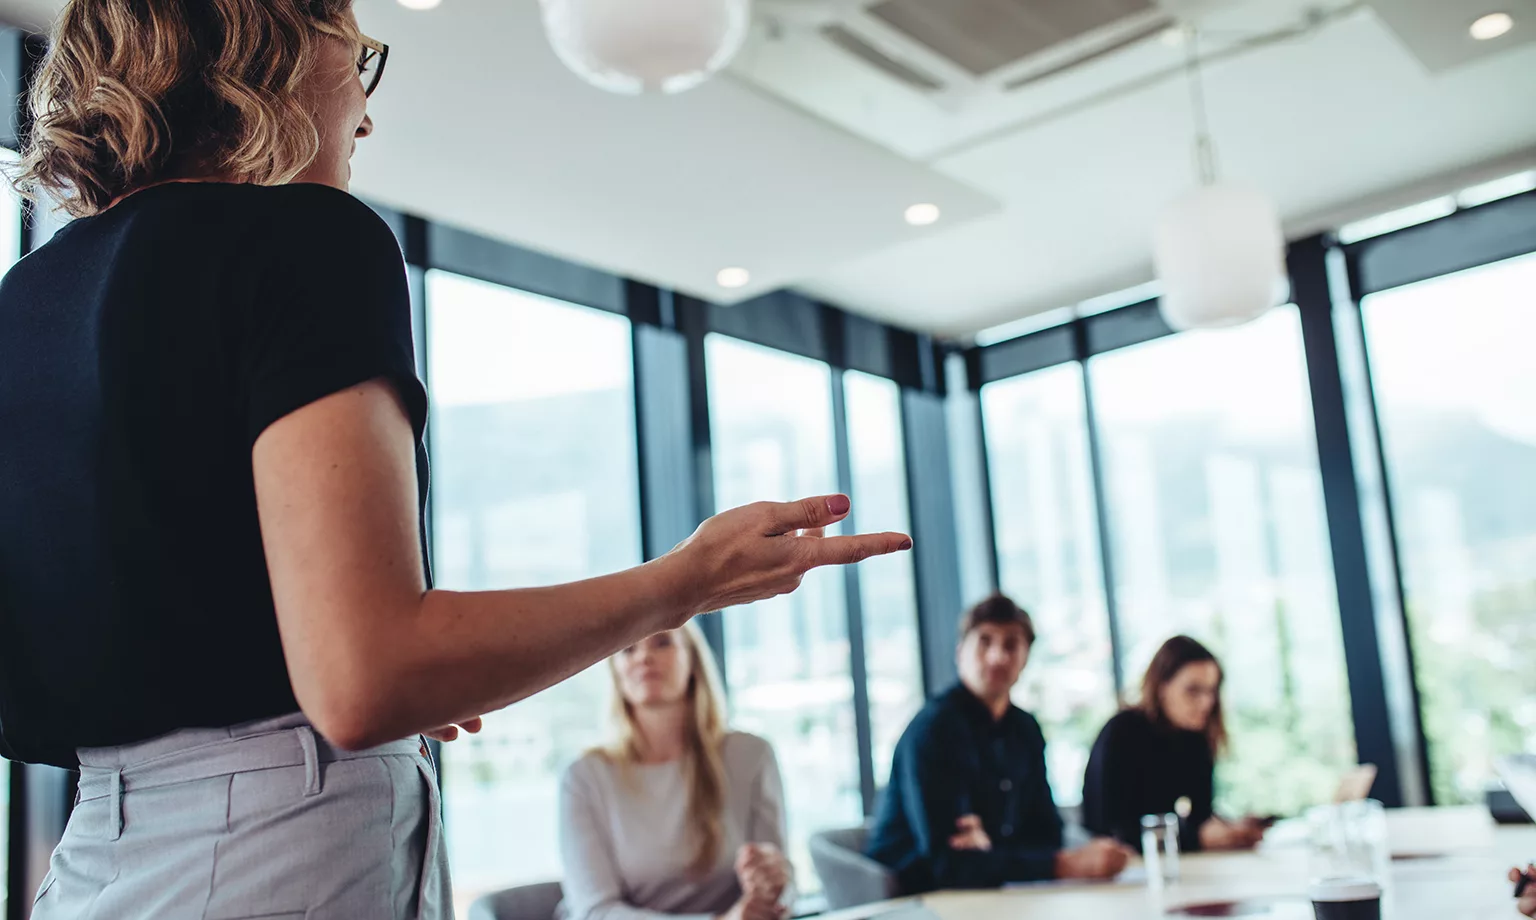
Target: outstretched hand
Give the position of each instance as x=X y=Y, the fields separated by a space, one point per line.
x=763 y=550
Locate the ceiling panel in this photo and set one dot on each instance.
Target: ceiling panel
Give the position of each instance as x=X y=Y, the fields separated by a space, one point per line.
x=1439 y=33
x=983 y=35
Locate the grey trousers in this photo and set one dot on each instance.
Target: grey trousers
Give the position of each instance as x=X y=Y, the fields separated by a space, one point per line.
x=263 y=820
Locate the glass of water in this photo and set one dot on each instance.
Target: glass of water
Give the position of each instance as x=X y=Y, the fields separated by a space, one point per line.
x=1349 y=841
x=1160 y=848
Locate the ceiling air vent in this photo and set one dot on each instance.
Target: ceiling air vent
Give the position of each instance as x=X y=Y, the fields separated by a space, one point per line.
x=1125 y=39
x=983 y=36
x=851 y=42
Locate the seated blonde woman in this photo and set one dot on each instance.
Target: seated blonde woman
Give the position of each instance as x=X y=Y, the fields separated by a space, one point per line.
x=678 y=816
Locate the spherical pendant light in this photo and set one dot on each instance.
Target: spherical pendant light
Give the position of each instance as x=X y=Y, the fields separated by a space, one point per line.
x=1220 y=257
x=636 y=46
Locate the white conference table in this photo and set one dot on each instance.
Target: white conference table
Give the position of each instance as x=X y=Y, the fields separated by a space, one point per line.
x=1448 y=864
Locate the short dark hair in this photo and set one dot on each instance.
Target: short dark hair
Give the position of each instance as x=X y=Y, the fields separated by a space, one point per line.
x=1000 y=609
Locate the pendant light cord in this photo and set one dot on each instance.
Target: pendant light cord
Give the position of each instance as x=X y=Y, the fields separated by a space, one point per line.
x=1205 y=148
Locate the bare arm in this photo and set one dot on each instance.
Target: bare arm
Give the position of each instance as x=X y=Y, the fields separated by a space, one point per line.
x=374 y=656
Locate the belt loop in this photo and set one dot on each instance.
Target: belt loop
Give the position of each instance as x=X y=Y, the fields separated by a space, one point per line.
x=115 y=805
x=311 y=760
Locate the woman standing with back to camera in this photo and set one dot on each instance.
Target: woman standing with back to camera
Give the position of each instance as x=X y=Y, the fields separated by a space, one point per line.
x=213 y=593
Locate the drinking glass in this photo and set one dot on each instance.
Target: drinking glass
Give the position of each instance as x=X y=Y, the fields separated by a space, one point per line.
x=1160 y=848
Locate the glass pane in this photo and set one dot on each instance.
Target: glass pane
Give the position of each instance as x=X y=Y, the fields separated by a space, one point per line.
x=786 y=659
x=892 y=653
x=1456 y=395
x=1048 y=555
x=534 y=483
x=1218 y=531
x=10 y=249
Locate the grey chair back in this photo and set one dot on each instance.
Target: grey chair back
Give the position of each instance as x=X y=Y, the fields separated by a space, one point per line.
x=527 y=902
x=1073 y=833
x=848 y=877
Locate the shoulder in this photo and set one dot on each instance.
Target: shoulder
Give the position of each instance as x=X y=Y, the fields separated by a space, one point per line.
x=320 y=221
x=292 y=212
x=745 y=745
x=939 y=721
x=587 y=772
x=310 y=201
x=301 y=234
x=1128 y=726
x=743 y=750
x=1028 y=725
x=1129 y=721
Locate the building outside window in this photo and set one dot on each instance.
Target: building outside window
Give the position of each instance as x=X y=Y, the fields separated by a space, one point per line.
x=1455 y=388
x=534 y=482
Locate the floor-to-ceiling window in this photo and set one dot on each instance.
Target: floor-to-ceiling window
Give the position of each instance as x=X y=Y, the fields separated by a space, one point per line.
x=1455 y=387
x=787 y=659
x=1048 y=559
x=534 y=482
x=892 y=651
x=1218 y=530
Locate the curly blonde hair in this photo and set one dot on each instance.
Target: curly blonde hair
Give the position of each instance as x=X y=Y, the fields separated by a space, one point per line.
x=135 y=92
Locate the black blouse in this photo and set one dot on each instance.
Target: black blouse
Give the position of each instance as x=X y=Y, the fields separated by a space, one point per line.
x=1138 y=768
x=142 y=352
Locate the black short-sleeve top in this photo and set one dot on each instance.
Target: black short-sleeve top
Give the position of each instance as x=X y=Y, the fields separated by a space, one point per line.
x=142 y=353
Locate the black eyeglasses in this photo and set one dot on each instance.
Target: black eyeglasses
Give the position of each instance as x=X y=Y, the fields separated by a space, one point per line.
x=370 y=63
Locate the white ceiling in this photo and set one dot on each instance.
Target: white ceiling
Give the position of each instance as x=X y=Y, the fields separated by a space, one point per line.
x=1344 y=115
x=800 y=171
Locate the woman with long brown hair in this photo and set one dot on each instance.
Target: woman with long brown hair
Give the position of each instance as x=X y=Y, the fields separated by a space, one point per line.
x=1151 y=756
x=214 y=600
x=677 y=816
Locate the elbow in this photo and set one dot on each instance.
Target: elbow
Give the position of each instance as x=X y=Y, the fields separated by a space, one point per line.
x=348 y=721
x=349 y=731
x=349 y=707
x=949 y=873
x=355 y=676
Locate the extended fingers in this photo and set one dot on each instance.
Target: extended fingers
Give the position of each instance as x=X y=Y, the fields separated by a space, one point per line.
x=854 y=549
x=807 y=513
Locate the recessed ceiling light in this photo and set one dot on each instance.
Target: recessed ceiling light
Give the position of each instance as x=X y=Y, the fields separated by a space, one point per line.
x=733 y=277
x=921 y=215
x=1492 y=26
x=420 y=4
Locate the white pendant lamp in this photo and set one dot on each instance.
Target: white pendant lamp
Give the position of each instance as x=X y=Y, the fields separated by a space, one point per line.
x=638 y=46
x=1218 y=249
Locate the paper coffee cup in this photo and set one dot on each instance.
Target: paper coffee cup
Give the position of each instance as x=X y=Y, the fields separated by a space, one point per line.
x=1346 y=899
